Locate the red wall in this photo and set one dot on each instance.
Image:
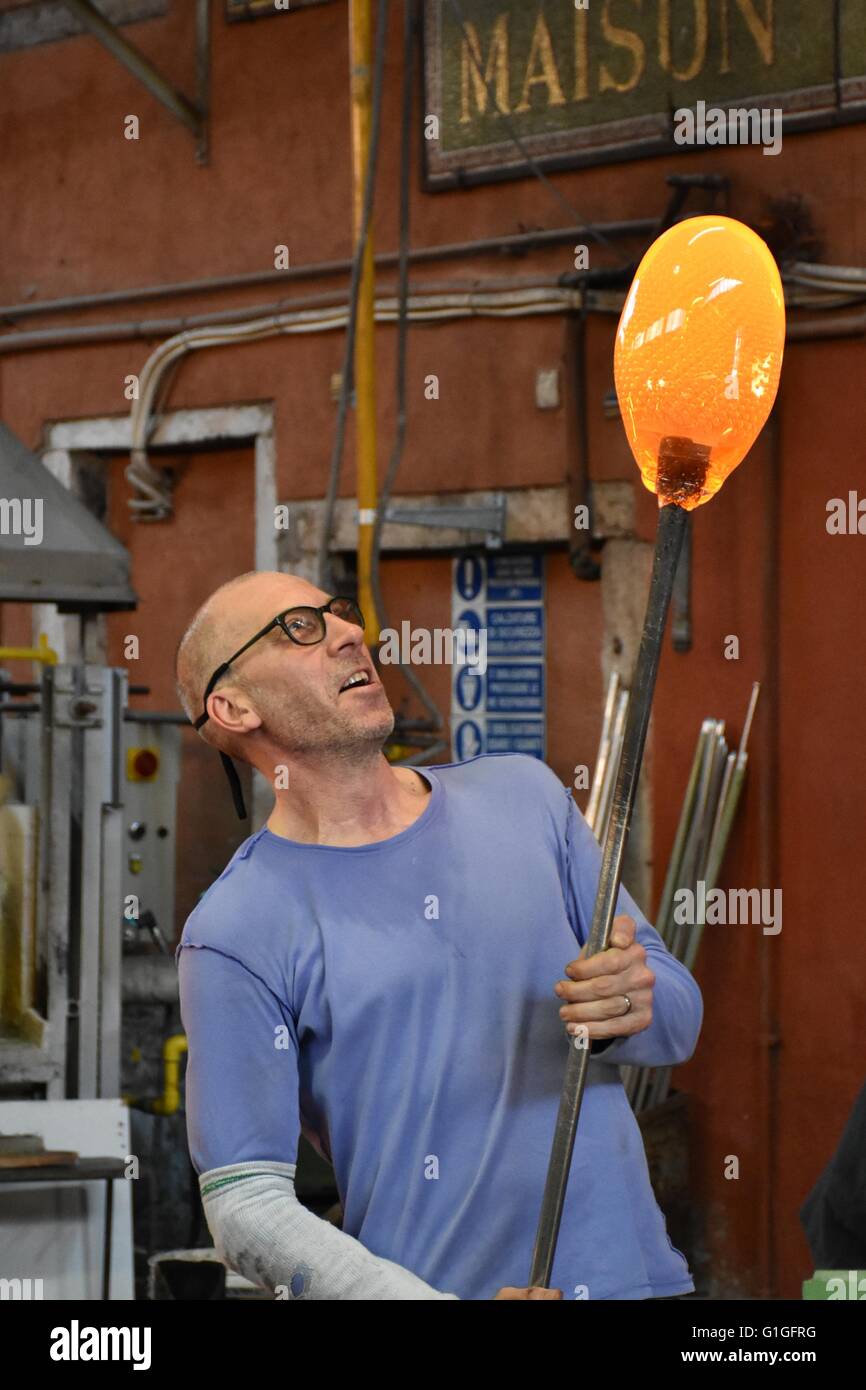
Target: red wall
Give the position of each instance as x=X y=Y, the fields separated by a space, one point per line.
x=208 y=541
x=84 y=210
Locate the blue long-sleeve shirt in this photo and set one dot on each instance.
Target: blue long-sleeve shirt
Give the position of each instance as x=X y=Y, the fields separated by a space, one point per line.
x=395 y=1001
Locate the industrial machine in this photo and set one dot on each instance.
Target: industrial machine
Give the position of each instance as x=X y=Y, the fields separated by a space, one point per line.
x=87 y=834
x=88 y=791
x=87 y=807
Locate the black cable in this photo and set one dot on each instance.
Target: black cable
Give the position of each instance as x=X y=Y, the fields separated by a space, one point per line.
x=837 y=53
x=324 y=561
x=410 y=33
x=531 y=163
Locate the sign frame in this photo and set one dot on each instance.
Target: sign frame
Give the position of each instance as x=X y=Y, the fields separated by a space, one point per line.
x=497 y=706
x=839 y=101
x=237 y=11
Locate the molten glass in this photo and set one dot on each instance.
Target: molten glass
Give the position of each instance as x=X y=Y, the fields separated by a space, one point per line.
x=698 y=355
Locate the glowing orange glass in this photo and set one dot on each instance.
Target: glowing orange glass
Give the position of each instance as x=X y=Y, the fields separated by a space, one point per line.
x=698 y=355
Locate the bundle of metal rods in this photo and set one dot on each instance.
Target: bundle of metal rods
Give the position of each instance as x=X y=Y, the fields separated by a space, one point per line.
x=708 y=811
x=607 y=759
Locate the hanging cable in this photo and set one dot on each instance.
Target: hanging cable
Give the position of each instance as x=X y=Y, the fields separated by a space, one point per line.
x=409 y=47
x=515 y=137
x=442 y=306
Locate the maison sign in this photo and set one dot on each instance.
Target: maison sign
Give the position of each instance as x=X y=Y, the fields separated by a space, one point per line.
x=592 y=81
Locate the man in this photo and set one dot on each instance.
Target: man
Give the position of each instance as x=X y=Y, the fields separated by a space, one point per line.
x=387 y=966
x=833 y=1215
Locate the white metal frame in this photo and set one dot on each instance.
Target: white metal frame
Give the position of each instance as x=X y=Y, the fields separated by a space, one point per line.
x=66 y=439
x=209 y=425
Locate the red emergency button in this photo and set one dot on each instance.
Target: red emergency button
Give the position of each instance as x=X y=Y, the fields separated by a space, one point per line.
x=142 y=764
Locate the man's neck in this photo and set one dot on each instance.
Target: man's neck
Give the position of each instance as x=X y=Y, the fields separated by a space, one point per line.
x=345 y=804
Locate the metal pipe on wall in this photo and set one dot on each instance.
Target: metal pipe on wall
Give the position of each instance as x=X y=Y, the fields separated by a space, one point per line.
x=768 y=849
x=832 y=326
x=519 y=244
x=39 y=338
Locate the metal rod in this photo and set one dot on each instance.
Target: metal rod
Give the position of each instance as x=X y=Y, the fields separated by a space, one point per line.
x=518 y=244
x=713 y=859
x=611 y=767
x=727 y=809
x=603 y=751
x=155 y=716
x=202 y=77
x=669 y=539
x=466 y=302
x=577 y=480
x=672 y=881
x=645 y=1086
x=681 y=619
x=658 y=1080
x=134 y=60
x=635 y=1079
x=714 y=791
x=729 y=796
x=691 y=861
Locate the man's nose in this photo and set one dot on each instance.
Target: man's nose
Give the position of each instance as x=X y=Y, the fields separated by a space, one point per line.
x=342 y=633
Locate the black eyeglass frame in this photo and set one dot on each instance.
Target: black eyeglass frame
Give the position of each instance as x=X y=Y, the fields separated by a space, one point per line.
x=278 y=622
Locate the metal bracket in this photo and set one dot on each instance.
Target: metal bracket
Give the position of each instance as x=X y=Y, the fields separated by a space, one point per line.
x=194 y=115
x=83 y=713
x=681 y=185
x=78 y=709
x=577 y=479
x=487 y=517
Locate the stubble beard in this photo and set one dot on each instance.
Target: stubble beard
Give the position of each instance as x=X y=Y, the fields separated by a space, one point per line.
x=316 y=728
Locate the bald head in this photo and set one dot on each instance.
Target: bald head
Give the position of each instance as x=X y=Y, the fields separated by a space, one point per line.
x=282 y=700
x=232 y=614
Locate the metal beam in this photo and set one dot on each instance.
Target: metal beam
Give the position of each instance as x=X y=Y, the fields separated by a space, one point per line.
x=194 y=117
x=462 y=517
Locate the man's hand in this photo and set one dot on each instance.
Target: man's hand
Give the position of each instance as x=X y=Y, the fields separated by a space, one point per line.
x=536 y=1292
x=599 y=988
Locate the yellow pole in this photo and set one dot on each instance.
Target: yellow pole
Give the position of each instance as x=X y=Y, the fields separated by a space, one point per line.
x=361 y=57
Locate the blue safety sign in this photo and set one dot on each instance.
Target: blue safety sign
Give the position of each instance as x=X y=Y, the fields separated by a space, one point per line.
x=515 y=736
x=468 y=688
x=517 y=630
x=514 y=578
x=469 y=618
x=468 y=577
x=468 y=742
x=498 y=693
x=515 y=686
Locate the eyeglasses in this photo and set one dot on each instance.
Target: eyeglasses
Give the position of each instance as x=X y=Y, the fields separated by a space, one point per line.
x=305 y=627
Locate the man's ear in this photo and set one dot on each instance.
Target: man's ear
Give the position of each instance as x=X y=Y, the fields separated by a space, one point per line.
x=232 y=711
